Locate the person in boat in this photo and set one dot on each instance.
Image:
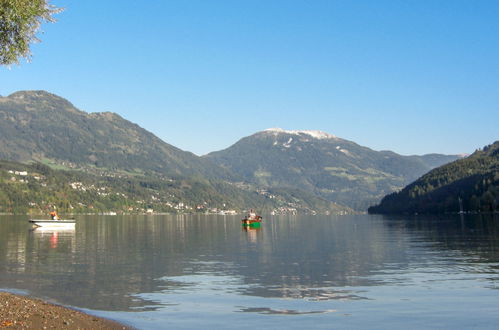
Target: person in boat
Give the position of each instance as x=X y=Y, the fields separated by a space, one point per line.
x=253 y=216
x=54 y=215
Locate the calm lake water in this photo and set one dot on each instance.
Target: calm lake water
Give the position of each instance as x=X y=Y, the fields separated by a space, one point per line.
x=295 y=272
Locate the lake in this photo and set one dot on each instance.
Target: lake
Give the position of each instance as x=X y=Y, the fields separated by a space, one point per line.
x=295 y=272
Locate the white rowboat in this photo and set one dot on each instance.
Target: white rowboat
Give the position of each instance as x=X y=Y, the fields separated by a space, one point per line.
x=53 y=223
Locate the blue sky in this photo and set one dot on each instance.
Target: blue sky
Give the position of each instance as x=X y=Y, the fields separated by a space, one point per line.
x=414 y=77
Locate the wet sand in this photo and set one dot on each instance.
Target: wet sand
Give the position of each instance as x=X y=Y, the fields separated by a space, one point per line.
x=21 y=312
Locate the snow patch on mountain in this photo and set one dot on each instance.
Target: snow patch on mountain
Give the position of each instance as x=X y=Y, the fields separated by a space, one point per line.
x=288 y=144
x=315 y=134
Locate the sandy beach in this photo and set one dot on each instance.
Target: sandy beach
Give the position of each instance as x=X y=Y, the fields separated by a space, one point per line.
x=21 y=312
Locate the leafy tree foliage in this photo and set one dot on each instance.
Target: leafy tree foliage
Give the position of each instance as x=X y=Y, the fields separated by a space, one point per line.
x=20 y=21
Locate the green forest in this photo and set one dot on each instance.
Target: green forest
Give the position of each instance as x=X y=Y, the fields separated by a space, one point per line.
x=37 y=189
x=466 y=185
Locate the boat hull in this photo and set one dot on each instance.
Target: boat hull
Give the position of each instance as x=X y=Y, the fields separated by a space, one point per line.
x=251 y=223
x=53 y=223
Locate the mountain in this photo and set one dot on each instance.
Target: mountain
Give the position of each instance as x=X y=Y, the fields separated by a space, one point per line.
x=39 y=126
x=307 y=169
x=325 y=165
x=103 y=149
x=469 y=185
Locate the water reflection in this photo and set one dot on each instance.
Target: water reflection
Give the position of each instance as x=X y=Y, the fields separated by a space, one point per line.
x=145 y=263
x=43 y=237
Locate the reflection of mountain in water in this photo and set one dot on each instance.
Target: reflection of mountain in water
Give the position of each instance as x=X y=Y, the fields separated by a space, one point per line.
x=124 y=263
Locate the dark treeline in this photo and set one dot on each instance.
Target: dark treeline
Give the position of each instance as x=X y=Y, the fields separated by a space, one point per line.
x=467 y=185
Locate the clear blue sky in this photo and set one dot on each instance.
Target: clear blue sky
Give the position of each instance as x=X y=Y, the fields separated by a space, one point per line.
x=414 y=77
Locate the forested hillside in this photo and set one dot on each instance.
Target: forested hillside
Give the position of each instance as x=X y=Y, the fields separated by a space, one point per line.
x=37 y=188
x=467 y=185
x=40 y=126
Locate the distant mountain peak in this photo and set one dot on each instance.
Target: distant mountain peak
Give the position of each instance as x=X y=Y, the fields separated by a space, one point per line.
x=39 y=98
x=37 y=125
x=324 y=165
x=315 y=134
x=32 y=94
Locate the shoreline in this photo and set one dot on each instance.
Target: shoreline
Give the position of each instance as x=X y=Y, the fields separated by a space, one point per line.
x=25 y=312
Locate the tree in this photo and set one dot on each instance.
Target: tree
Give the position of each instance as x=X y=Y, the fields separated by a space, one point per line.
x=20 y=21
